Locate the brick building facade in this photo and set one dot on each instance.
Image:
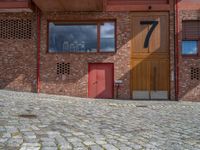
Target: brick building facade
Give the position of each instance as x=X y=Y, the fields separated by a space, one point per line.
x=189 y=84
x=19 y=56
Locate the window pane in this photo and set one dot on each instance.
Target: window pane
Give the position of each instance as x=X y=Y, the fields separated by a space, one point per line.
x=107 y=41
x=72 y=37
x=189 y=47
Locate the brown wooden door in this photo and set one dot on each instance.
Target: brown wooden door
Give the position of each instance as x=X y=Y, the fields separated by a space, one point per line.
x=150 y=56
x=100 y=84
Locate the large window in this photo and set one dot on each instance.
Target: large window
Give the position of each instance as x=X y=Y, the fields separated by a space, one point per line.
x=191 y=38
x=81 y=37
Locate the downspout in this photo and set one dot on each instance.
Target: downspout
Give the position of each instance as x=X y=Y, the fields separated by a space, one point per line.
x=177 y=50
x=38 y=47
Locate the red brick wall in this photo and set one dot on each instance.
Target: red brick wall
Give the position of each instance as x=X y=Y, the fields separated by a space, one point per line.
x=18 y=59
x=189 y=89
x=189 y=4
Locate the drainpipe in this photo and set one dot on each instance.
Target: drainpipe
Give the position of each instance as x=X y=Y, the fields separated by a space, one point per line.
x=177 y=50
x=38 y=47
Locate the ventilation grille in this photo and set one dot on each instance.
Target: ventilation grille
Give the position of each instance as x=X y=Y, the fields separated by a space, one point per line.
x=15 y=29
x=63 y=68
x=195 y=73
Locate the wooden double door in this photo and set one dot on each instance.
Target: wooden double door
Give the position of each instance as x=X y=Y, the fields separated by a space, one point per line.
x=150 y=56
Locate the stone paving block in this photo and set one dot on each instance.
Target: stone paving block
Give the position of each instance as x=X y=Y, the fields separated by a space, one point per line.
x=50 y=144
x=89 y=143
x=10 y=148
x=35 y=128
x=65 y=147
x=3 y=140
x=47 y=139
x=101 y=142
x=2 y=129
x=49 y=148
x=110 y=147
x=11 y=129
x=63 y=144
x=125 y=148
x=78 y=133
x=31 y=140
x=30 y=148
x=80 y=148
x=77 y=144
x=53 y=134
x=31 y=144
x=96 y=147
x=14 y=142
x=74 y=139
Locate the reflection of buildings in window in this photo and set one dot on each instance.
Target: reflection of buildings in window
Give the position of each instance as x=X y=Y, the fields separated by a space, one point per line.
x=66 y=45
x=82 y=46
x=74 y=46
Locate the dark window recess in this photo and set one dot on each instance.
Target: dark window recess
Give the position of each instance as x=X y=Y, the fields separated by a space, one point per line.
x=63 y=68
x=191 y=30
x=195 y=73
x=15 y=29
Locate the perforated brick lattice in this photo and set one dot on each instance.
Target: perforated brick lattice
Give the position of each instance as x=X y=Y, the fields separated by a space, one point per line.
x=195 y=73
x=63 y=68
x=15 y=29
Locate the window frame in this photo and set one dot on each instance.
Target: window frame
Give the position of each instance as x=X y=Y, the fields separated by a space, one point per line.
x=85 y=22
x=191 y=39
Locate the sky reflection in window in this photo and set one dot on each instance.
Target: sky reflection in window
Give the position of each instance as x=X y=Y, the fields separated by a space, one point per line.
x=189 y=47
x=107 y=41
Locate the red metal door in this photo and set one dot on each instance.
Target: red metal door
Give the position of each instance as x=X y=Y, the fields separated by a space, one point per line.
x=100 y=83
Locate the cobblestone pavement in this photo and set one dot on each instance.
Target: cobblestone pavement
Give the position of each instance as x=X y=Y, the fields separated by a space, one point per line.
x=46 y=122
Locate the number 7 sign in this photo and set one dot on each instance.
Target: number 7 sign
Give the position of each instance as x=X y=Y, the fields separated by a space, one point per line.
x=154 y=24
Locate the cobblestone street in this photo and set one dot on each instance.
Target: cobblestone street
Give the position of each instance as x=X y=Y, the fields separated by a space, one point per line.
x=45 y=122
